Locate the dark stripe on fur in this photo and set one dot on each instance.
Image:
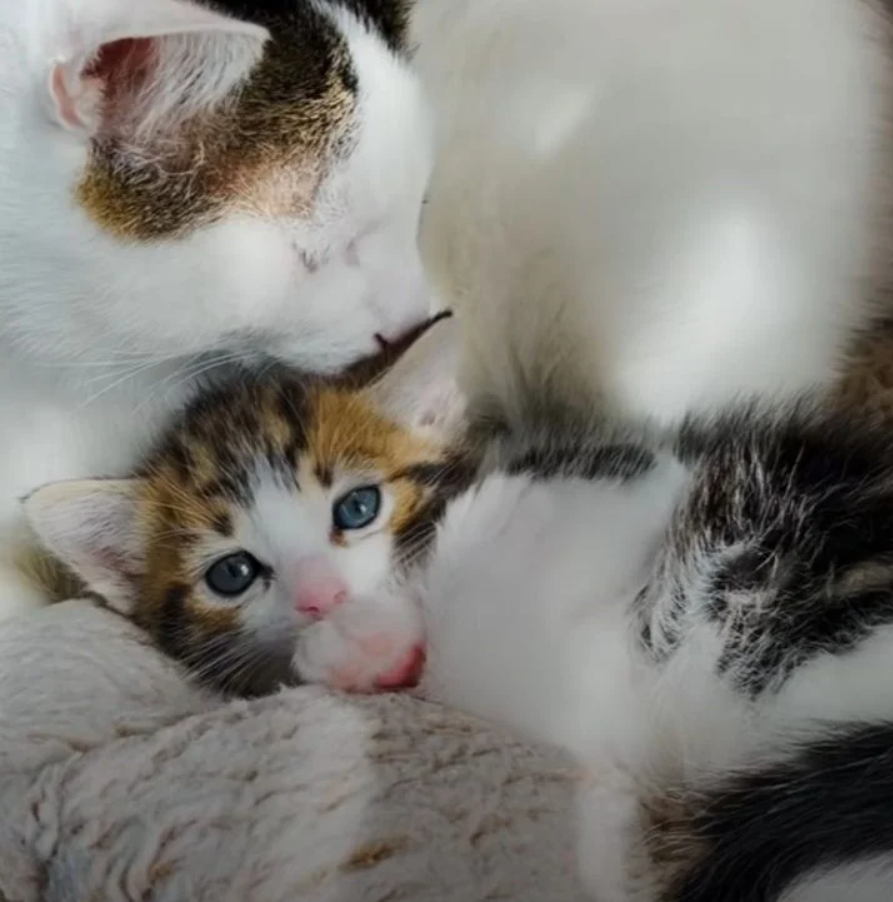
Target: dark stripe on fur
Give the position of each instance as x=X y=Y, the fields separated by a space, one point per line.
x=389 y=18
x=446 y=479
x=829 y=805
x=232 y=663
x=601 y=462
x=789 y=524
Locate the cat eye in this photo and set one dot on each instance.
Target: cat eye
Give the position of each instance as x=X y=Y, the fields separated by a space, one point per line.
x=358 y=508
x=233 y=575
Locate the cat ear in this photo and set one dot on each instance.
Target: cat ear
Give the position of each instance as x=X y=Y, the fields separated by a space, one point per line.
x=421 y=389
x=91 y=526
x=139 y=64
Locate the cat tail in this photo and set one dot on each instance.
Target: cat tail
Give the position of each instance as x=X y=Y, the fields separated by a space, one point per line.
x=814 y=826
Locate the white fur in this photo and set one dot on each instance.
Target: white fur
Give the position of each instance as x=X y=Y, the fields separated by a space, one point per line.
x=532 y=563
x=663 y=202
x=99 y=339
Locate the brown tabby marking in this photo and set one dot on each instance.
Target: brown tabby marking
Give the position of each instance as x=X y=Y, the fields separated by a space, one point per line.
x=308 y=432
x=264 y=154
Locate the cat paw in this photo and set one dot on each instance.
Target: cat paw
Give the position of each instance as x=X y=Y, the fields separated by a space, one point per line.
x=366 y=645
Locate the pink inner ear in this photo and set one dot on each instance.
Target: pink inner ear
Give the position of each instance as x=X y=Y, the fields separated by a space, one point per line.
x=105 y=87
x=129 y=60
x=122 y=68
x=112 y=561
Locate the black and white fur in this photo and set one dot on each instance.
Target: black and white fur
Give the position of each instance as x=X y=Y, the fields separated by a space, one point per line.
x=707 y=623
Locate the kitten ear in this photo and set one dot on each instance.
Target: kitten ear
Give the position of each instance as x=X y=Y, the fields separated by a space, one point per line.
x=139 y=64
x=421 y=390
x=91 y=526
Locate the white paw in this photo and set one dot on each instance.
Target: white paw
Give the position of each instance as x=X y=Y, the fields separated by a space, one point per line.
x=366 y=644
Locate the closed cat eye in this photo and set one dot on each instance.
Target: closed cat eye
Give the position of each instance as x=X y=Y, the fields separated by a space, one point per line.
x=358 y=508
x=233 y=575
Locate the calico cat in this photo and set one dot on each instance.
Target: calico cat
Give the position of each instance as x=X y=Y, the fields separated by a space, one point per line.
x=205 y=521
x=658 y=205
x=704 y=619
x=185 y=185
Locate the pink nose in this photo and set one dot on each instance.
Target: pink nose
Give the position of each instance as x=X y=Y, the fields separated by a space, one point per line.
x=317 y=597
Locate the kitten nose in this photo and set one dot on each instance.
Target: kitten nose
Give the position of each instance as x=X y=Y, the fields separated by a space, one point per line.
x=318 y=590
x=318 y=601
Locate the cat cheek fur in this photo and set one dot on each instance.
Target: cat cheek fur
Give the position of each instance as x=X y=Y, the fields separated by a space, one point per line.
x=303 y=248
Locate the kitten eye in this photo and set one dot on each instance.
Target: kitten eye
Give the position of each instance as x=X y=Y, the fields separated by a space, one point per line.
x=357 y=508
x=232 y=575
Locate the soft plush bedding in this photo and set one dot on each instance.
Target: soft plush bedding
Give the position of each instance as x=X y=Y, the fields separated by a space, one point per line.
x=121 y=781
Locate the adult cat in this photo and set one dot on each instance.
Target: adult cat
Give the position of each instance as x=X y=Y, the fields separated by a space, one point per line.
x=658 y=203
x=182 y=186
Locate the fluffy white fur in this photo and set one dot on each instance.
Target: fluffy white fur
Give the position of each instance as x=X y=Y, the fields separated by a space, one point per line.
x=100 y=339
x=660 y=203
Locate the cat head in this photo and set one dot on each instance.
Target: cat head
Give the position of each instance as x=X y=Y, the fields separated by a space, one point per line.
x=272 y=508
x=243 y=176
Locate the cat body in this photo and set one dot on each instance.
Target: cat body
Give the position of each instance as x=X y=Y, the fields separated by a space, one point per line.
x=658 y=205
x=704 y=621
x=184 y=187
x=715 y=654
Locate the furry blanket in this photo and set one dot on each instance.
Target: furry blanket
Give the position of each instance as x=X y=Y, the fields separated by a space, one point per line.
x=120 y=781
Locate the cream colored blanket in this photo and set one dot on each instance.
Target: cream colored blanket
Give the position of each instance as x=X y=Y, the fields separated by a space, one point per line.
x=120 y=781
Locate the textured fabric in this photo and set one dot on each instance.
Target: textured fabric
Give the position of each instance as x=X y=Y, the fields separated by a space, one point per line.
x=120 y=781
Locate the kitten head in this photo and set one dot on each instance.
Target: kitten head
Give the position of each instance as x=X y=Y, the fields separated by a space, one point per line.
x=234 y=176
x=271 y=509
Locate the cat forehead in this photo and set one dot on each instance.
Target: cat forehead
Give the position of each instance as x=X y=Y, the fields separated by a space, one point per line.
x=266 y=153
x=250 y=435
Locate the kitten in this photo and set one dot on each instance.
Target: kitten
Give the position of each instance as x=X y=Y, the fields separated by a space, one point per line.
x=270 y=507
x=704 y=621
x=658 y=205
x=184 y=185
